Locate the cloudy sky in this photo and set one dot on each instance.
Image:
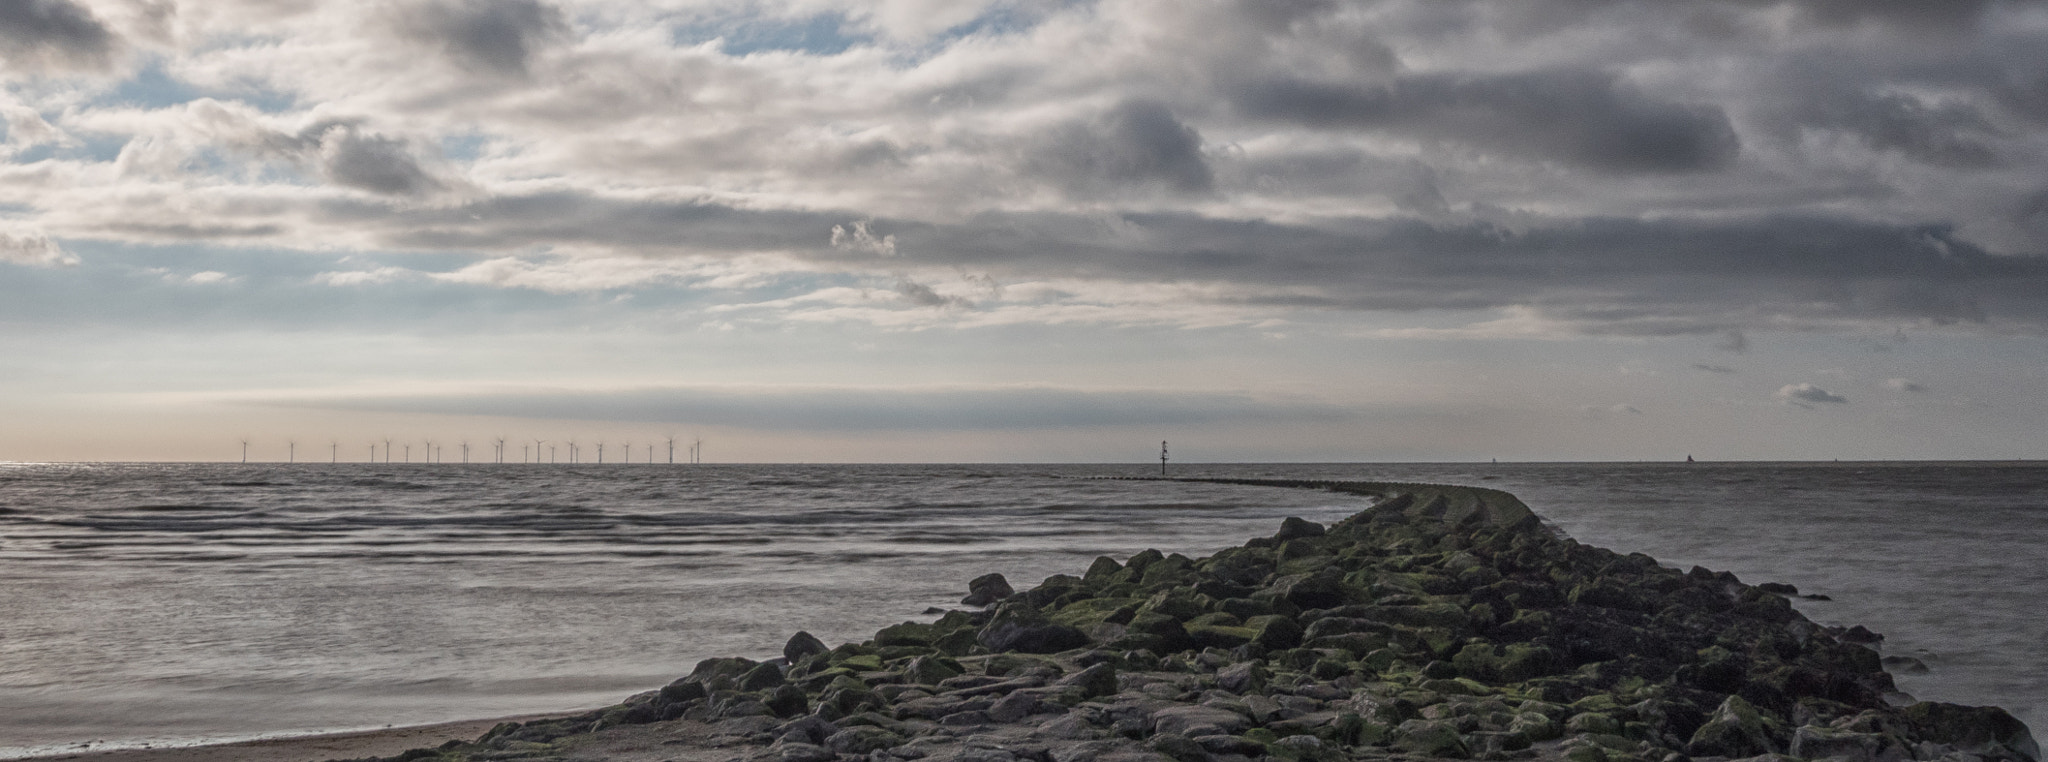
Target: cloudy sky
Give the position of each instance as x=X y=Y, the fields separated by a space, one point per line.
x=1046 y=230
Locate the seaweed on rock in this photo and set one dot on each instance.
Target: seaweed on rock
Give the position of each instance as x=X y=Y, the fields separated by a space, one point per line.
x=1444 y=622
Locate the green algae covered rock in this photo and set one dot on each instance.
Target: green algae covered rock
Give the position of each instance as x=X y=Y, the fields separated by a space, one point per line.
x=1444 y=622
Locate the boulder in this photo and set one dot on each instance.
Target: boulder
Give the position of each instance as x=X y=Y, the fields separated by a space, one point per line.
x=801 y=645
x=1735 y=729
x=1293 y=528
x=1191 y=721
x=1097 y=680
x=1430 y=738
x=1021 y=628
x=987 y=589
x=862 y=739
x=1986 y=731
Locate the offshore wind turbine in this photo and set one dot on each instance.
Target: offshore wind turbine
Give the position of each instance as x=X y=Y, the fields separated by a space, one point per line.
x=671 y=451
x=387 y=450
x=600 y=451
x=500 y=442
x=334 y=451
x=465 y=451
x=245 y=449
x=628 y=447
x=291 y=451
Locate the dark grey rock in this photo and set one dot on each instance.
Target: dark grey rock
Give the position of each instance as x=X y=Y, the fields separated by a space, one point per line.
x=1098 y=680
x=987 y=589
x=1191 y=721
x=861 y=739
x=801 y=645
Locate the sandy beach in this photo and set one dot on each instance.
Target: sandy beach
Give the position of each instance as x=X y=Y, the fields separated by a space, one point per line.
x=314 y=748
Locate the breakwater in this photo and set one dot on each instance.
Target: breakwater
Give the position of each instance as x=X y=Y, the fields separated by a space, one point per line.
x=1444 y=622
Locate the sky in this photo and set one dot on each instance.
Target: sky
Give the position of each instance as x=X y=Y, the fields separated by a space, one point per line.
x=1025 y=230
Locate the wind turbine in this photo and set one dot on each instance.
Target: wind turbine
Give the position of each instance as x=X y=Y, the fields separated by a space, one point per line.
x=291 y=451
x=465 y=451
x=373 y=452
x=628 y=447
x=387 y=451
x=245 y=449
x=697 y=452
x=650 y=453
x=551 y=454
x=501 y=449
x=671 y=451
x=572 y=451
x=428 y=451
x=334 y=451
x=600 y=451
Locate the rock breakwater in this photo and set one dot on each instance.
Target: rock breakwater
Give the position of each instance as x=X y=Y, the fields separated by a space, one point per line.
x=1444 y=622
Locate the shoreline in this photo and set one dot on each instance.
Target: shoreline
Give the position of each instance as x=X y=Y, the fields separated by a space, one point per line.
x=1443 y=622
x=318 y=747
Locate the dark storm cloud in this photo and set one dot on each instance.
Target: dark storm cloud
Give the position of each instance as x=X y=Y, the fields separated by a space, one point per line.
x=1135 y=143
x=861 y=409
x=39 y=33
x=491 y=36
x=1585 y=118
x=1947 y=135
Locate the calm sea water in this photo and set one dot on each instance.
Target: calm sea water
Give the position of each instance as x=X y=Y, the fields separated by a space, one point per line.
x=171 y=604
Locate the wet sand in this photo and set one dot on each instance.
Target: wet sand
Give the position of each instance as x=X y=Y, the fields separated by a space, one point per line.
x=317 y=748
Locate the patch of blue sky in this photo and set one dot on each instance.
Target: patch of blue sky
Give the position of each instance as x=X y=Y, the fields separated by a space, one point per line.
x=464 y=148
x=91 y=147
x=152 y=87
x=824 y=34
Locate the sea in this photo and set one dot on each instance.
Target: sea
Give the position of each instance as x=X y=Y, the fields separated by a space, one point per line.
x=179 y=604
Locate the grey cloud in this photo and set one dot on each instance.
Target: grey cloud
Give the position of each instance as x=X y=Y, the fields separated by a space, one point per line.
x=498 y=37
x=1713 y=368
x=1135 y=143
x=1586 y=118
x=1605 y=275
x=1803 y=394
x=1949 y=135
x=855 y=409
x=925 y=296
x=373 y=163
x=53 y=33
x=1904 y=385
x=1945 y=15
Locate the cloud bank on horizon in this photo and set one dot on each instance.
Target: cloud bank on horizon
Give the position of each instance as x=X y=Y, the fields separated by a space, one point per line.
x=1703 y=172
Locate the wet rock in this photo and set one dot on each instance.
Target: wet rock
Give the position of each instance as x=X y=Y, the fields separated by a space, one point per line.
x=1013 y=707
x=1293 y=528
x=1858 y=634
x=987 y=589
x=787 y=701
x=862 y=739
x=1244 y=677
x=1097 y=680
x=1986 y=731
x=1020 y=628
x=1432 y=738
x=1735 y=729
x=801 y=645
x=1178 y=747
x=1230 y=745
x=795 y=752
x=1191 y=721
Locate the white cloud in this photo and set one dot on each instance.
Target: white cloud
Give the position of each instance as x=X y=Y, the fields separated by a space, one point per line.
x=1904 y=385
x=33 y=249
